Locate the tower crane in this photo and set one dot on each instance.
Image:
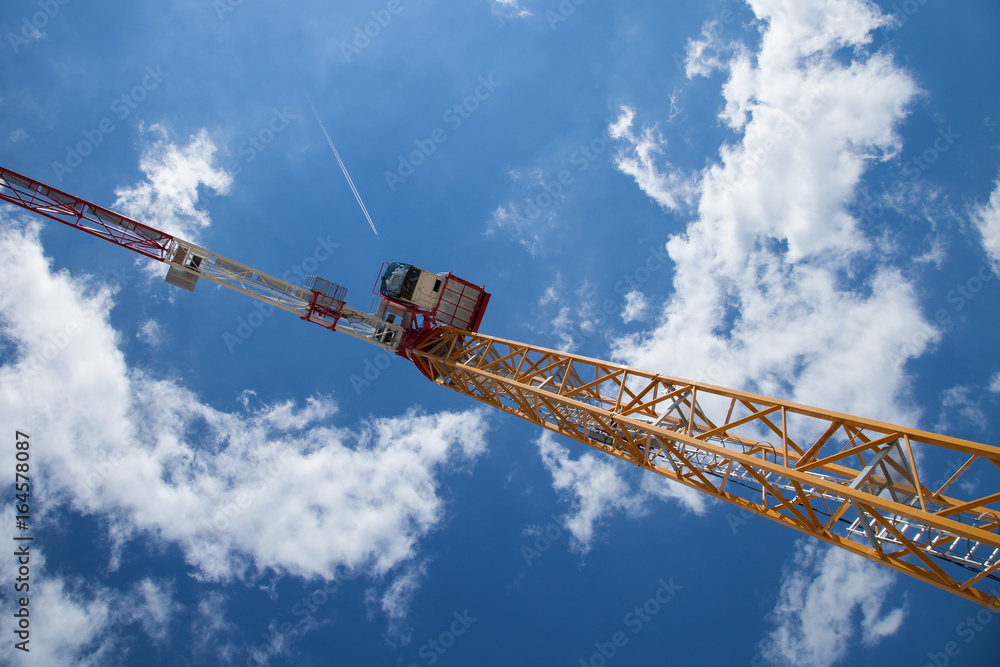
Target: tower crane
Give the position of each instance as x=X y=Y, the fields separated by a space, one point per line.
x=849 y=481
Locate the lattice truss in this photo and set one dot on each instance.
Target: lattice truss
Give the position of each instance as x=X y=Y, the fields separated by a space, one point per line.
x=75 y=212
x=320 y=301
x=851 y=482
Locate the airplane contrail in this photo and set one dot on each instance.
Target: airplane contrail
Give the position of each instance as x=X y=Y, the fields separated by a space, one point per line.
x=342 y=167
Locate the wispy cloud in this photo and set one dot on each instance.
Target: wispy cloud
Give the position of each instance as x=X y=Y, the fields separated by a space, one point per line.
x=510 y=9
x=277 y=487
x=167 y=198
x=772 y=238
x=74 y=628
x=84 y=622
x=638 y=157
x=154 y=608
x=986 y=218
x=596 y=490
x=210 y=627
x=395 y=602
x=819 y=600
x=962 y=407
x=151 y=333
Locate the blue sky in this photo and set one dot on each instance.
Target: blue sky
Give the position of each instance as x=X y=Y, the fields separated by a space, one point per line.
x=798 y=198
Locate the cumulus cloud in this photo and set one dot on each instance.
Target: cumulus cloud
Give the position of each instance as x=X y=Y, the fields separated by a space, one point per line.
x=814 y=617
x=152 y=459
x=769 y=293
x=766 y=293
x=596 y=489
x=168 y=197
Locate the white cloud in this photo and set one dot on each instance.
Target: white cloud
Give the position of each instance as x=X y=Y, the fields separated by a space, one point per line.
x=669 y=187
x=68 y=625
x=596 y=489
x=766 y=291
x=995 y=384
x=961 y=406
x=396 y=600
x=636 y=305
x=528 y=220
x=814 y=616
x=150 y=333
x=593 y=483
x=277 y=487
x=209 y=627
x=72 y=629
x=525 y=226
x=74 y=622
x=154 y=608
x=510 y=9
x=655 y=486
x=987 y=220
x=710 y=51
x=168 y=197
x=572 y=325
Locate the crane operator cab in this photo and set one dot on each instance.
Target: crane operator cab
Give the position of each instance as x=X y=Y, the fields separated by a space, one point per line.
x=408 y=291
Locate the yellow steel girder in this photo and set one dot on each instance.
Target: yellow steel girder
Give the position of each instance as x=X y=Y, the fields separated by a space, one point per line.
x=853 y=482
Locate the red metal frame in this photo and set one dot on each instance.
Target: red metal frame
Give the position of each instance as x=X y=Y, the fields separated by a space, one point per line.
x=422 y=323
x=83 y=215
x=378 y=278
x=329 y=316
x=485 y=301
x=150 y=242
x=480 y=307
